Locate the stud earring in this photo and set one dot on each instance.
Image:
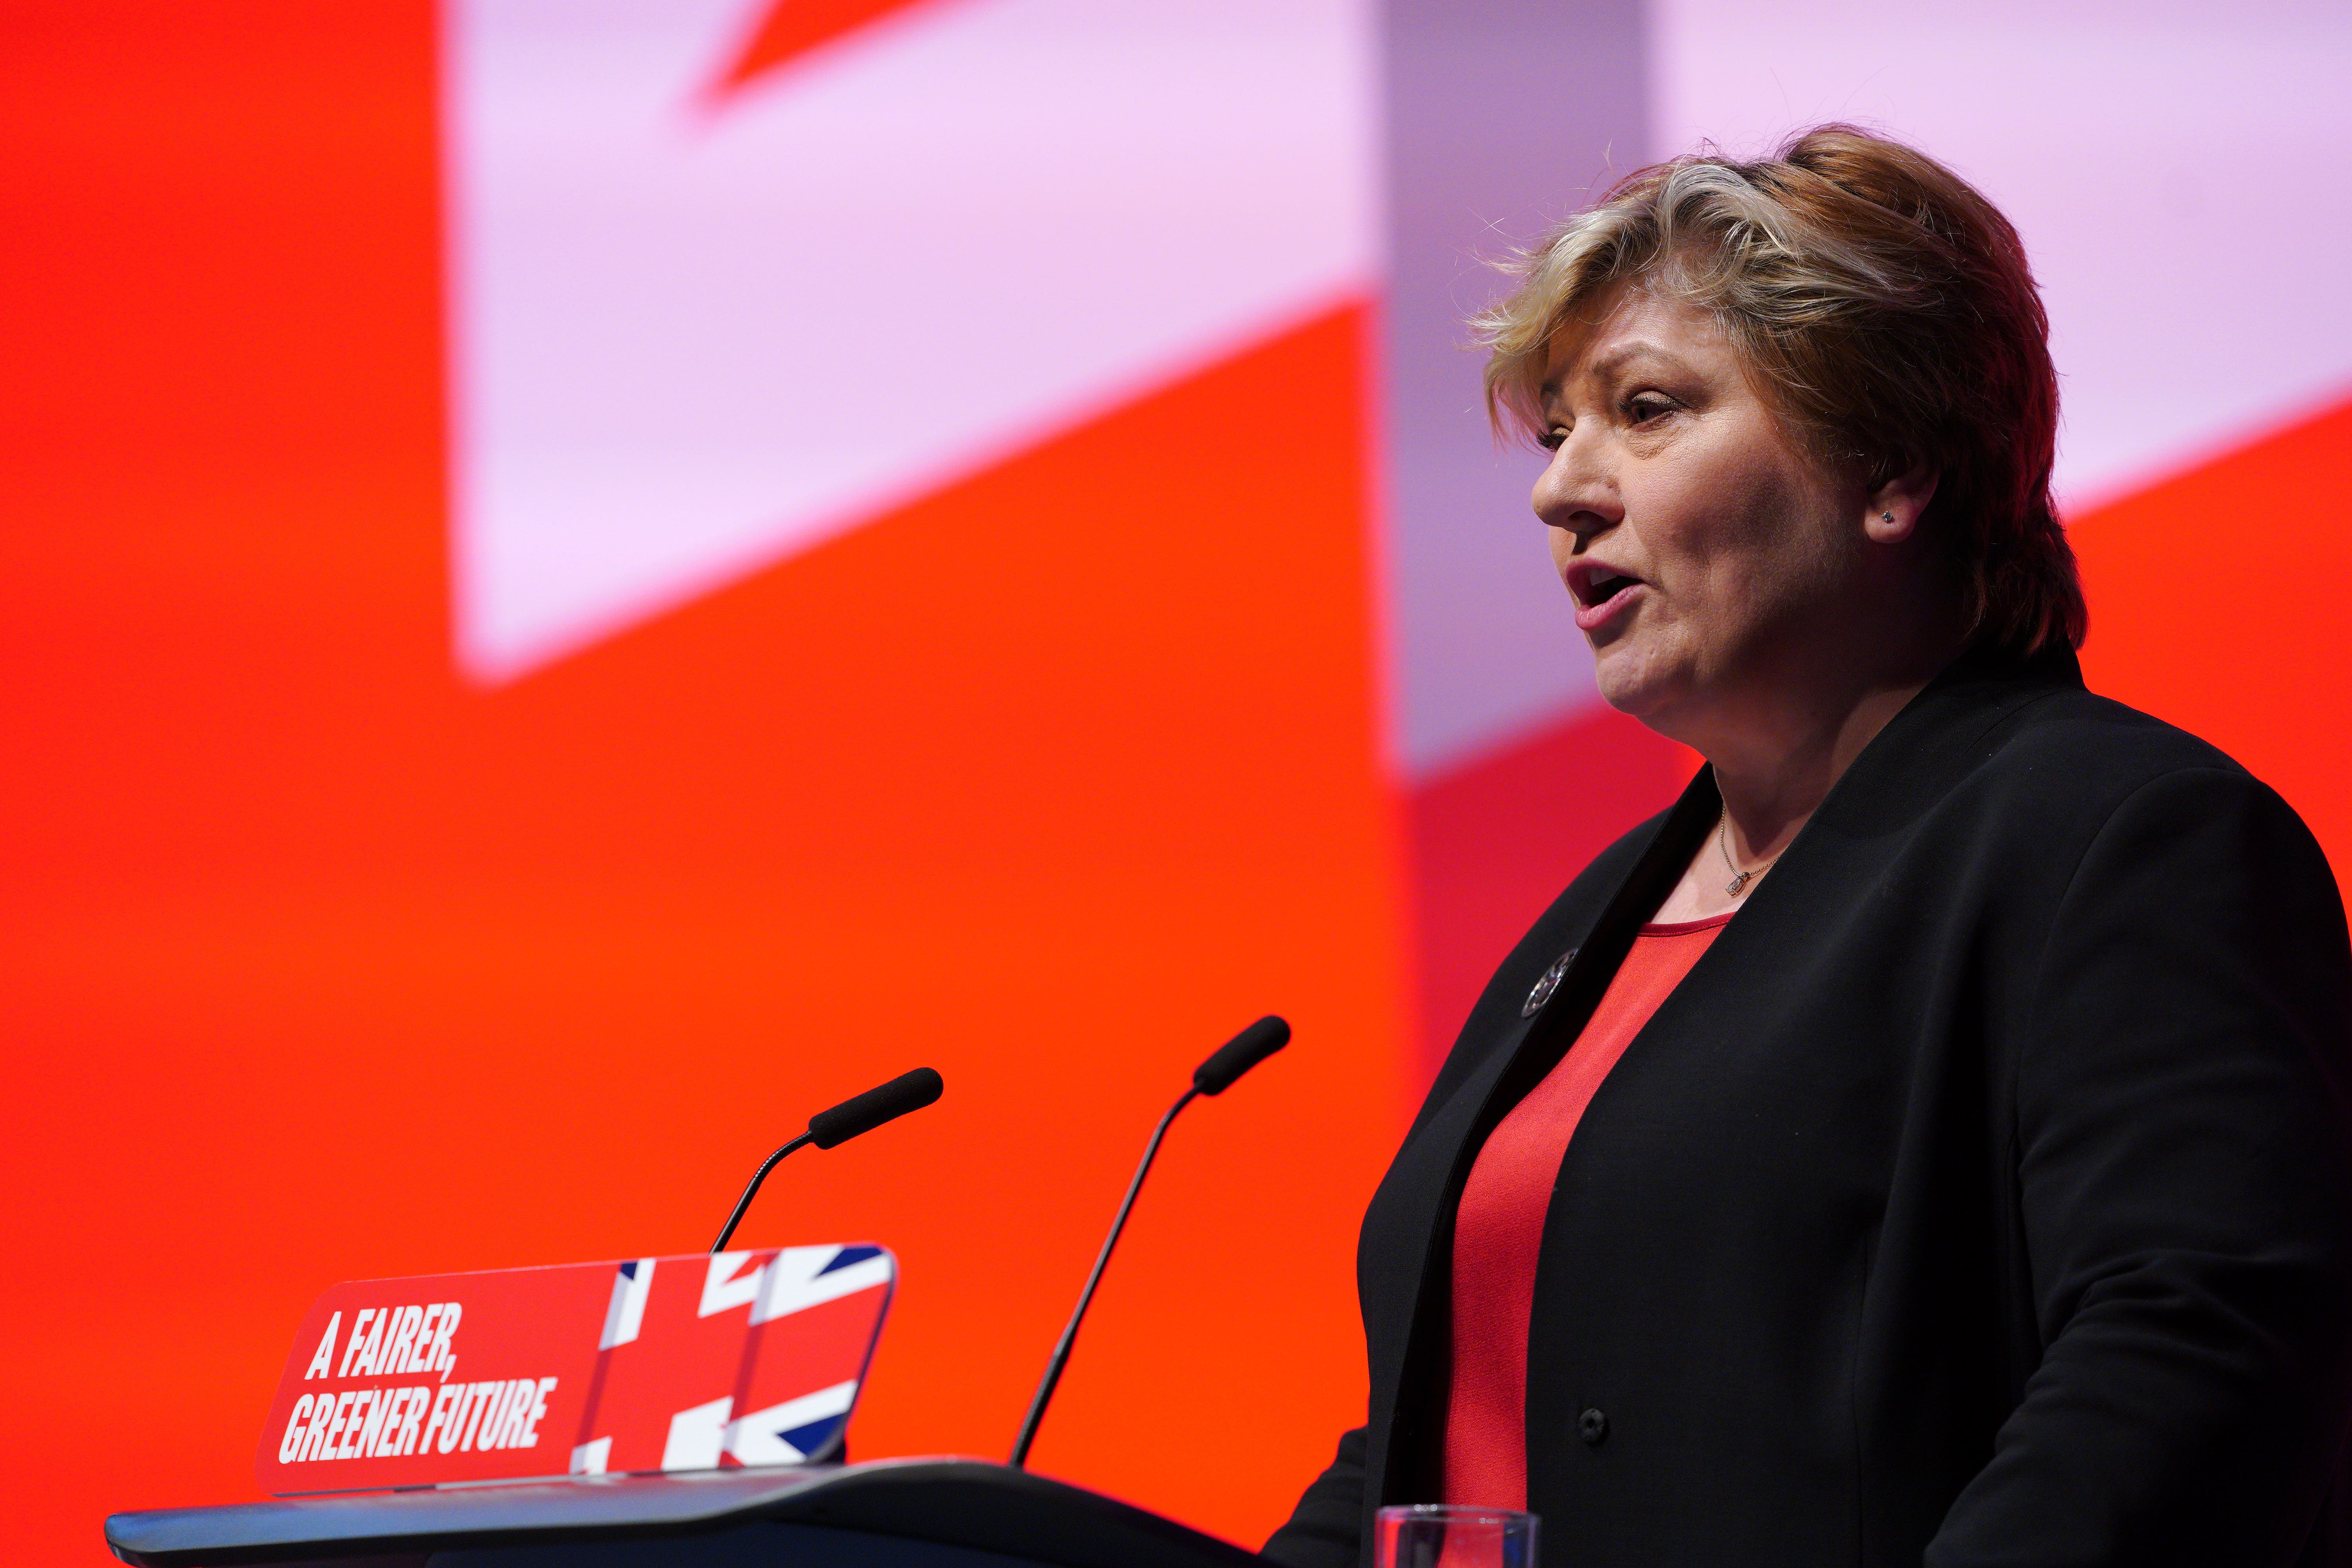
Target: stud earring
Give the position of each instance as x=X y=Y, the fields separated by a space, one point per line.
x=1887 y=517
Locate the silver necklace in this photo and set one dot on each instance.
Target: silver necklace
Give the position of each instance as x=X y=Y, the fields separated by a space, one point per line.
x=1739 y=879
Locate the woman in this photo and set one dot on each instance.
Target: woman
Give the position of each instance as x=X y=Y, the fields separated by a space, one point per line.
x=1929 y=1140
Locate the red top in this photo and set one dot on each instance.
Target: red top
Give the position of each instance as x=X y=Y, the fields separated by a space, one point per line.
x=1499 y=1226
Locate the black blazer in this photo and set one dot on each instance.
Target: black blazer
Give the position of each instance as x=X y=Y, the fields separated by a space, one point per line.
x=1983 y=1195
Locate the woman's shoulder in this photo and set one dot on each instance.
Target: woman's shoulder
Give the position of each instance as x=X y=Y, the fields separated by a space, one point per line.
x=2079 y=729
x=2093 y=752
x=2070 y=768
x=2006 y=780
x=2037 y=737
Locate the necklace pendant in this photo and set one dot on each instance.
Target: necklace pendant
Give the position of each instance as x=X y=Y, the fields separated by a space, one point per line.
x=1741 y=880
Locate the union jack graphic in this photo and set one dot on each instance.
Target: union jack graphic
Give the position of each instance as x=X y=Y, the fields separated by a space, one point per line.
x=742 y=1358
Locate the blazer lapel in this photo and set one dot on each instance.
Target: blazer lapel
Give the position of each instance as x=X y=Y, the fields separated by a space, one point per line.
x=1438 y=1154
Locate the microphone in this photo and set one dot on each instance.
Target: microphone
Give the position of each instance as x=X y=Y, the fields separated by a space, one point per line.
x=1240 y=1054
x=1212 y=1076
x=829 y=1129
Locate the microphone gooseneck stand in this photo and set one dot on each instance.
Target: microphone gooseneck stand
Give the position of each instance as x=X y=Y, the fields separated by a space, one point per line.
x=727 y=1231
x=858 y=1114
x=1046 y=1385
x=1212 y=1076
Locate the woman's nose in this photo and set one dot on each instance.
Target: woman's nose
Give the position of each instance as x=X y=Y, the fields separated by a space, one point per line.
x=1575 y=491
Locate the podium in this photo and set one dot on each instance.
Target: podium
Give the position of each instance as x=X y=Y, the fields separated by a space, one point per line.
x=886 y=1514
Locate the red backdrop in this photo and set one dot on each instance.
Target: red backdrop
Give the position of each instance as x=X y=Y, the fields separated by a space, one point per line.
x=322 y=962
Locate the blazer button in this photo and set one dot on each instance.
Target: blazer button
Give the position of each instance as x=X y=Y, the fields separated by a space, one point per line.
x=1593 y=1427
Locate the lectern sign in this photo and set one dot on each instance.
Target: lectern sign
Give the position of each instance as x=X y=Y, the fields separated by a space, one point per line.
x=699 y=1363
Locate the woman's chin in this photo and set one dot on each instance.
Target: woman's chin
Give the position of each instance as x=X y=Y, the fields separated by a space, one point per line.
x=1634 y=686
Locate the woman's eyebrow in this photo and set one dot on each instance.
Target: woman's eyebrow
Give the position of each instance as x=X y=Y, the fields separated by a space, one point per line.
x=1609 y=364
x=1616 y=359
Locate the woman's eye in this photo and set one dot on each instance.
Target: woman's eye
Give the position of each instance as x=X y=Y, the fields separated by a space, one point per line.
x=1642 y=410
x=1552 y=439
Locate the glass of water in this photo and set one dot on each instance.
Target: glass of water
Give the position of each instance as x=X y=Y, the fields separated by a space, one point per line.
x=1441 y=1535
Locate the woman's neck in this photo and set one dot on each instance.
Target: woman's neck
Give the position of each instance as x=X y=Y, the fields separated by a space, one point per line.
x=1775 y=757
x=1773 y=775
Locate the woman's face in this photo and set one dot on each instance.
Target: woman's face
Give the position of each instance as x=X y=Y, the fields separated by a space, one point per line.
x=1707 y=552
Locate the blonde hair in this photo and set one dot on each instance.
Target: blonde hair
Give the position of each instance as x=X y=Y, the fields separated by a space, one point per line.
x=1885 y=307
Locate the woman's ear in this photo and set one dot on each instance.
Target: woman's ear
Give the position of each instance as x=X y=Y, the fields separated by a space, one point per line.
x=1895 y=506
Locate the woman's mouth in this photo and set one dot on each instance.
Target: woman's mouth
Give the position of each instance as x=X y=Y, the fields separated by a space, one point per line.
x=1601 y=594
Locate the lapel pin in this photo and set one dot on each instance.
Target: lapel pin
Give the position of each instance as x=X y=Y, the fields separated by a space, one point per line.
x=1546 y=986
